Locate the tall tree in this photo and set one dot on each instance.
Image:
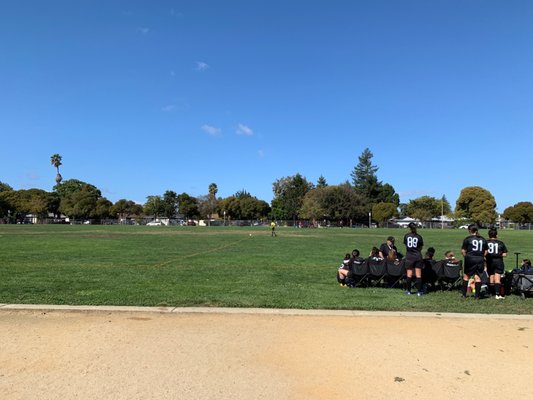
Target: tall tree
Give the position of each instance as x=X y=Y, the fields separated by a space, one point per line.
x=209 y=206
x=170 y=204
x=382 y=212
x=188 y=206
x=336 y=202
x=243 y=206
x=154 y=206
x=426 y=207
x=366 y=183
x=289 y=193
x=78 y=198
x=521 y=212
x=71 y=186
x=314 y=205
x=321 y=182
x=55 y=160
x=387 y=194
x=124 y=209
x=4 y=187
x=231 y=206
x=103 y=208
x=80 y=204
x=477 y=205
x=242 y=194
x=31 y=201
x=364 y=177
x=213 y=189
x=4 y=208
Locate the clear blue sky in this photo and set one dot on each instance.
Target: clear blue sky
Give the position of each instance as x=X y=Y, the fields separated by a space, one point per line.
x=140 y=97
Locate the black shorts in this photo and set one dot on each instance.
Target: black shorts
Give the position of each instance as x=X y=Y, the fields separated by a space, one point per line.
x=495 y=266
x=474 y=265
x=413 y=262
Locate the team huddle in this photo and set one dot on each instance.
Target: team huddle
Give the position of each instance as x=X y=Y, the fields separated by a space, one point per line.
x=482 y=257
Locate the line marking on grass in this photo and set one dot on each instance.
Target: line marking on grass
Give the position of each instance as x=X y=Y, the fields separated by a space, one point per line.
x=165 y=263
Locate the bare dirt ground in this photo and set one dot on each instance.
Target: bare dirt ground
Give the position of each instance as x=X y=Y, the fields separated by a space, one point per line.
x=141 y=355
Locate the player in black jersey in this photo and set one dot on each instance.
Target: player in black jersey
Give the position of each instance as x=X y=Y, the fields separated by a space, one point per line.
x=413 y=259
x=474 y=250
x=495 y=266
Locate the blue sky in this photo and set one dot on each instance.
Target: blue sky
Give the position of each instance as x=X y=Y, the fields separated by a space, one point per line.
x=140 y=97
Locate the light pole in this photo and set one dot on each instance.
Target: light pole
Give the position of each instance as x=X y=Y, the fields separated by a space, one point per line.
x=224 y=217
x=442 y=212
x=370 y=219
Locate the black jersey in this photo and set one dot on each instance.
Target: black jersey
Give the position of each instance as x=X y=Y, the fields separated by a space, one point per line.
x=475 y=246
x=413 y=244
x=385 y=249
x=495 y=249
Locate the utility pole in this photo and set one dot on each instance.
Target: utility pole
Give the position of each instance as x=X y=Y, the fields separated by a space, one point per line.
x=442 y=212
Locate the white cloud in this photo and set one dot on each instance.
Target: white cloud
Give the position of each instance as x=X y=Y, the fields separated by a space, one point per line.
x=170 y=107
x=244 y=130
x=211 y=130
x=201 y=66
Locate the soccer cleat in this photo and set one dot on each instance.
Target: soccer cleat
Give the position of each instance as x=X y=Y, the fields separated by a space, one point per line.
x=498 y=297
x=420 y=294
x=407 y=292
x=342 y=284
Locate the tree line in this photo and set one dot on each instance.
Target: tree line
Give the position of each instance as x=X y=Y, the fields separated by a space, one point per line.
x=295 y=198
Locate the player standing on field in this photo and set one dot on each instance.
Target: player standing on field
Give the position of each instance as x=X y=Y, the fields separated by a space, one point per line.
x=273 y=228
x=474 y=250
x=495 y=266
x=413 y=259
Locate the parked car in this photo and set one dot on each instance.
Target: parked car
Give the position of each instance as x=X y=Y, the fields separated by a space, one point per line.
x=154 y=223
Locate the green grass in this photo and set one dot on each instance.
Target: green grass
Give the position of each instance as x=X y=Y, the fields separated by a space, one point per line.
x=197 y=266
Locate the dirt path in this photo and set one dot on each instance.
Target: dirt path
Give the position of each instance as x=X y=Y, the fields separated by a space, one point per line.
x=122 y=355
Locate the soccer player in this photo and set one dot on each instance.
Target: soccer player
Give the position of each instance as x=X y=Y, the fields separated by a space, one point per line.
x=413 y=259
x=495 y=266
x=474 y=250
x=273 y=228
x=342 y=271
x=388 y=250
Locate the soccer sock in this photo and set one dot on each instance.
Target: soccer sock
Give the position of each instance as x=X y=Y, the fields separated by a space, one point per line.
x=478 y=289
x=497 y=288
x=418 y=284
x=464 y=288
x=409 y=281
x=492 y=291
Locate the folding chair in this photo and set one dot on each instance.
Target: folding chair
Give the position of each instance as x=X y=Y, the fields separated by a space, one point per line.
x=450 y=277
x=522 y=284
x=429 y=276
x=377 y=270
x=358 y=274
x=395 y=272
x=438 y=269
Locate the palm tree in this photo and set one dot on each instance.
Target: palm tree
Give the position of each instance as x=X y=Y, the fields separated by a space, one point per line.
x=55 y=160
x=213 y=190
x=212 y=201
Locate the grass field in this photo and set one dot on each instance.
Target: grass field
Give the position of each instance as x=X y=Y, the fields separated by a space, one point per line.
x=199 y=266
